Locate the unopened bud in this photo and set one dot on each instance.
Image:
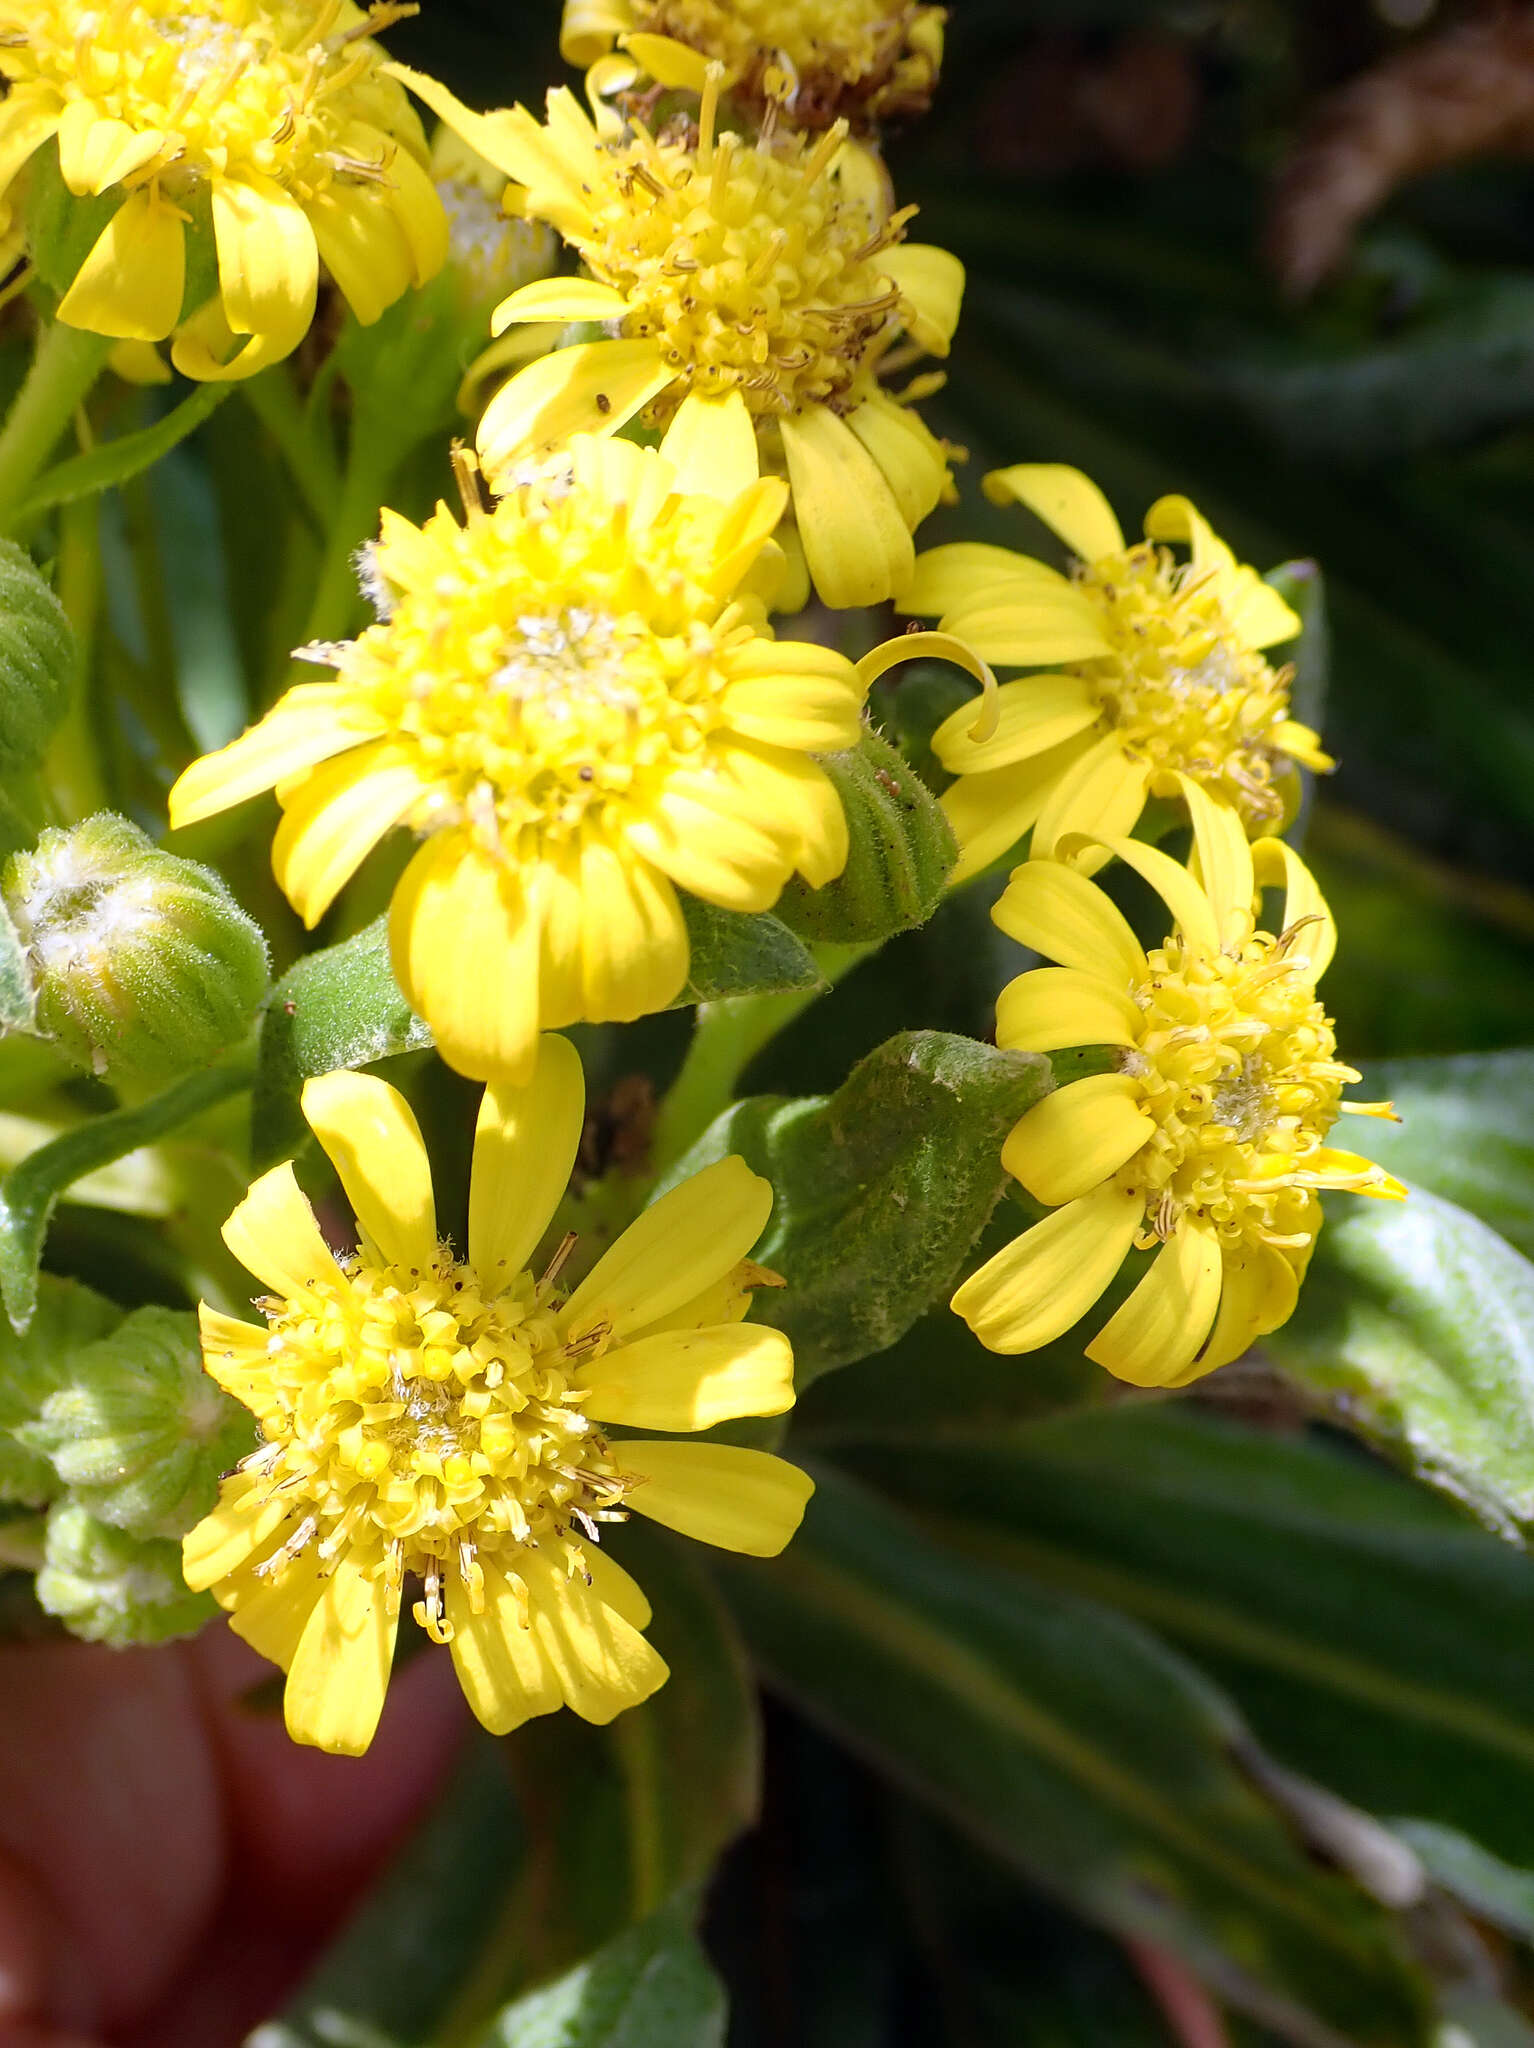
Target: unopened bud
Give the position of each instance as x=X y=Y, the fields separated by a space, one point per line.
x=34 y=1363
x=490 y=253
x=142 y=963
x=900 y=851
x=109 y=1587
x=137 y=1431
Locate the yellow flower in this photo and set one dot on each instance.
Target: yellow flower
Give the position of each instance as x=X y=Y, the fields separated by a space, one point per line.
x=575 y=699
x=1207 y=1140
x=1161 y=681
x=266 y=122
x=445 y=1420
x=818 y=60
x=730 y=268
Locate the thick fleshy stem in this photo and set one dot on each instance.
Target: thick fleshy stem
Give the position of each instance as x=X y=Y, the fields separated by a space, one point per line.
x=726 y=1038
x=66 y=365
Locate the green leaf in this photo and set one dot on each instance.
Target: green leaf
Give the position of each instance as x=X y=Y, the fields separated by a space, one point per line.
x=1071 y=1744
x=1416 y=1329
x=901 y=849
x=113 y=462
x=1375 y=1640
x=737 y=955
x=31 y=1189
x=623 y=1816
x=650 y=1988
x=18 y=999
x=33 y=1363
x=880 y=1190
x=1466 y=1132
x=409 y=1966
x=37 y=660
x=337 y=1008
x=1494 y=1891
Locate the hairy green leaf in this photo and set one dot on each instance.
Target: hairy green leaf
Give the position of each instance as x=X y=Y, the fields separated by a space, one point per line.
x=737 y=955
x=18 y=999
x=880 y=1190
x=1466 y=1132
x=1069 y=1742
x=901 y=848
x=1375 y=1640
x=34 y=1362
x=1416 y=1329
x=37 y=660
x=650 y=1988
x=337 y=1008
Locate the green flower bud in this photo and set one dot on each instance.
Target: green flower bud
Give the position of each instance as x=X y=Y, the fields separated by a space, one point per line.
x=37 y=661
x=142 y=963
x=33 y=1364
x=109 y=1587
x=137 y=1431
x=901 y=849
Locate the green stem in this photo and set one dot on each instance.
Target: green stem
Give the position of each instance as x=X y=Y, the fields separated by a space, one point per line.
x=72 y=771
x=353 y=519
x=66 y=365
x=727 y=1036
x=274 y=401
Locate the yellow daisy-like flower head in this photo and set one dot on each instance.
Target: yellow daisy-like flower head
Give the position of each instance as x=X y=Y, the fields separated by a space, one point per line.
x=265 y=123
x=1208 y=1141
x=575 y=700
x=446 y=1421
x=729 y=268
x=1160 y=680
x=816 y=60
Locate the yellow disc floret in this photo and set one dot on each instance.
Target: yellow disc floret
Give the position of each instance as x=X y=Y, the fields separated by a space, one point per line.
x=267 y=121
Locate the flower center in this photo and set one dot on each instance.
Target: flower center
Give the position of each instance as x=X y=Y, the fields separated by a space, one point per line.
x=751 y=269
x=236 y=88
x=1237 y=1068
x=422 y=1420
x=552 y=668
x=1180 y=689
x=862 y=57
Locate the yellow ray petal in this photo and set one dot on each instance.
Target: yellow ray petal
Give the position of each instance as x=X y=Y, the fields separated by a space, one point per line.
x=465 y=953
x=711 y=444
x=340 y=1671
x=735 y=1499
x=1155 y=1335
x=372 y=1139
x=1069 y=504
x=508 y=137
x=794 y=694
x=594 y=387
x=334 y=817
x=1031 y=630
x=965 y=572
x=224 y=1540
x=990 y=812
x=689 y=1238
x=1101 y=794
x=96 y=152
x=268 y=264
x=791 y=795
x=501 y=1665
x=272 y=1615
x=1223 y=860
x=856 y=543
x=1315 y=940
x=1302 y=745
x=1190 y=907
x=1175 y=517
x=273 y=1234
x=725 y=859
x=27 y=120
x=1076 y=1137
x=1258 y=1295
x=131 y=284
x=559 y=298
x=931 y=285
x=1040 y=1285
x=364 y=247
x=603 y=1664
x=230 y=1347
x=1033 y=716
x=525 y=1141
x=691 y=1379
x=1062 y=915
x=308 y=725
x=1052 y=1007
x=633 y=938
x=909 y=455
x=417 y=207
x=1259 y=615
x=589 y=27
x=616 y=1589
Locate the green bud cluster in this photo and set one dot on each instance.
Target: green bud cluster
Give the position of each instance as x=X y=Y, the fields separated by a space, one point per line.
x=109 y=1424
x=141 y=964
